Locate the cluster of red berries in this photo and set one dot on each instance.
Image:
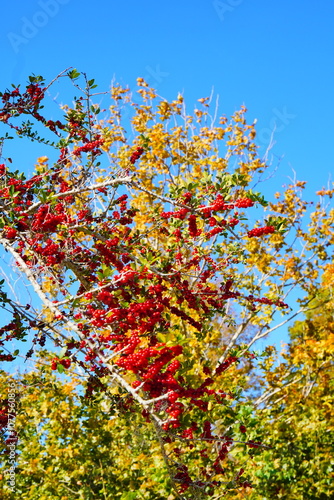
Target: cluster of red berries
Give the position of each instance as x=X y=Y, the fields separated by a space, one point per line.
x=6 y=357
x=182 y=476
x=213 y=221
x=232 y=222
x=187 y=197
x=223 y=366
x=192 y=226
x=20 y=102
x=46 y=220
x=222 y=454
x=66 y=362
x=36 y=93
x=259 y=231
x=51 y=251
x=84 y=214
x=121 y=199
x=19 y=188
x=89 y=146
x=12 y=329
x=214 y=231
x=178 y=234
x=76 y=131
x=220 y=205
x=53 y=125
x=3 y=413
x=186 y=317
x=157 y=382
x=10 y=232
x=136 y=155
x=206 y=434
x=109 y=255
x=7 y=95
x=244 y=203
x=264 y=300
x=64 y=186
x=179 y=214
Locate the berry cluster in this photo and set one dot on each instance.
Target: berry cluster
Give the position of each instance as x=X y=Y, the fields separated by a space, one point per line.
x=46 y=220
x=6 y=357
x=65 y=362
x=179 y=214
x=54 y=125
x=51 y=251
x=232 y=222
x=21 y=103
x=192 y=226
x=259 y=231
x=3 y=414
x=214 y=231
x=244 y=203
x=10 y=232
x=89 y=146
x=265 y=300
x=224 y=366
x=187 y=197
x=220 y=205
x=136 y=155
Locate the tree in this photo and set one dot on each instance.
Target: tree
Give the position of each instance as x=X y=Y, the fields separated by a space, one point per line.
x=70 y=450
x=136 y=258
x=296 y=408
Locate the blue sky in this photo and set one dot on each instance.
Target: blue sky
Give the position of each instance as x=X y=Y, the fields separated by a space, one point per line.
x=274 y=57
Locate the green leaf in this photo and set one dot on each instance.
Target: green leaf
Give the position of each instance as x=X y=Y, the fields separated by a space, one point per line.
x=73 y=74
x=36 y=79
x=60 y=368
x=62 y=352
x=129 y=495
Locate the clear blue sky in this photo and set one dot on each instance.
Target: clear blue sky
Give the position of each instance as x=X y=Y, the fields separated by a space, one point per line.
x=274 y=57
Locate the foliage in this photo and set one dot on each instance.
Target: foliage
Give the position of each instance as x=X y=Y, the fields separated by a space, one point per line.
x=297 y=409
x=69 y=450
x=135 y=253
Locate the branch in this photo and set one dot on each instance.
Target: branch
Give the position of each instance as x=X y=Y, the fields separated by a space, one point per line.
x=109 y=182
x=73 y=327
